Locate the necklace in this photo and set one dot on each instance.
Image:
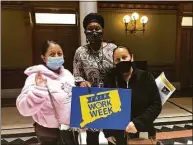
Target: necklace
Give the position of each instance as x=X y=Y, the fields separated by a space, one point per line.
x=96 y=51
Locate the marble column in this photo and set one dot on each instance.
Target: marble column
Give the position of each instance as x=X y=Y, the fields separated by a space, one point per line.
x=85 y=8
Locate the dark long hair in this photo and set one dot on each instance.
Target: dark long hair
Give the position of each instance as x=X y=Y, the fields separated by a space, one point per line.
x=47 y=44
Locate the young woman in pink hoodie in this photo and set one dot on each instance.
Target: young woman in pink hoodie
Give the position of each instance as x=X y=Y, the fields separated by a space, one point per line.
x=35 y=101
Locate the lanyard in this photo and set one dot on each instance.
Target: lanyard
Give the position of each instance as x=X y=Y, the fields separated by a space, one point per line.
x=127 y=84
x=116 y=83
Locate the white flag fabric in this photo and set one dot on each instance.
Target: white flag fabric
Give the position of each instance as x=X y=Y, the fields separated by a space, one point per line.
x=165 y=87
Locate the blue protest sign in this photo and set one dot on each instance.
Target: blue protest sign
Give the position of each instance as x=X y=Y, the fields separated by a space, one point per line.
x=101 y=108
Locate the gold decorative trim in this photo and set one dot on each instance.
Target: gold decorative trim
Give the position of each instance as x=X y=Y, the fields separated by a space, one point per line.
x=138 y=6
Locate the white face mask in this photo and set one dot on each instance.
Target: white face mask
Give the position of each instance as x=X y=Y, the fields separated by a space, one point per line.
x=54 y=63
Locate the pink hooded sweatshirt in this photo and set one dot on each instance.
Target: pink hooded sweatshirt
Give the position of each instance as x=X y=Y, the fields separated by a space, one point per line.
x=34 y=100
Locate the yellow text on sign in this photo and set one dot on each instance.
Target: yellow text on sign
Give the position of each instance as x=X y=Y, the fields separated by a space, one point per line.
x=100 y=105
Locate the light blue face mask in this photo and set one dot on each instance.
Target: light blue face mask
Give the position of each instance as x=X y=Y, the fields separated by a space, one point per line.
x=54 y=63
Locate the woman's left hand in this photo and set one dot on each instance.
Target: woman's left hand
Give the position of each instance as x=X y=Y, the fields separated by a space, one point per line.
x=131 y=128
x=40 y=80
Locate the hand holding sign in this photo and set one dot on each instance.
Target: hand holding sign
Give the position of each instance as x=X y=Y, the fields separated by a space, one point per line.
x=131 y=128
x=85 y=84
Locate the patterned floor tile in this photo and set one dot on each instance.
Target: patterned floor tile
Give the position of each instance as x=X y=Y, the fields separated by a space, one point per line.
x=189 y=142
x=177 y=128
x=166 y=129
x=181 y=140
x=188 y=126
x=167 y=142
x=4 y=142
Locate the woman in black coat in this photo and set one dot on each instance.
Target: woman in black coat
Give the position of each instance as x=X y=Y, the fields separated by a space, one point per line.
x=145 y=99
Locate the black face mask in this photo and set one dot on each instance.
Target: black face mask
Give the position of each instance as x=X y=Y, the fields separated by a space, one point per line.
x=123 y=66
x=94 y=36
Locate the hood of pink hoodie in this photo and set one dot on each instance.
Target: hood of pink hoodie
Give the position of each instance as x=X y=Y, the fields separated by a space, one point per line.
x=42 y=69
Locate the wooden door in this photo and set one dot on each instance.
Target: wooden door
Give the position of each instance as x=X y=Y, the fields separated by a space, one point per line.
x=186 y=57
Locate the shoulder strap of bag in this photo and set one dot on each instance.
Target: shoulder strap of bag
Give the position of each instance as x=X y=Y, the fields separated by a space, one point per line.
x=54 y=107
x=57 y=117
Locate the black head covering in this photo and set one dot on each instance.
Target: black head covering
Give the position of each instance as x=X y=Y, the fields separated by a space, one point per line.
x=93 y=17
